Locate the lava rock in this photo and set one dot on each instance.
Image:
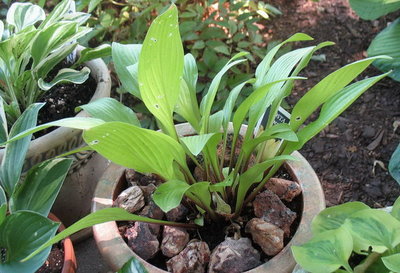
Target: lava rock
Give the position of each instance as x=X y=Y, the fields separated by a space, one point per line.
x=234 y=256
x=131 y=199
x=142 y=240
x=153 y=211
x=270 y=208
x=285 y=189
x=174 y=240
x=268 y=236
x=177 y=214
x=193 y=259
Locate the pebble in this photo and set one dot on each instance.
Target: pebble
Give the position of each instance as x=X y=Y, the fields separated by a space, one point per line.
x=174 y=240
x=131 y=199
x=283 y=188
x=142 y=240
x=193 y=259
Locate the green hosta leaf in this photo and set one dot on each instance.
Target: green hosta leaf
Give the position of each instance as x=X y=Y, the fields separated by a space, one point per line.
x=215 y=122
x=372 y=9
x=326 y=252
x=196 y=143
x=93 y=53
x=221 y=206
x=40 y=188
x=161 y=68
x=392 y=262
x=98 y=217
x=254 y=175
x=75 y=123
x=3 y=205
x=200 y=191
x=3 y=124
x=326 y=89
x=22 y=15
x=109 y=109
x=169 y=194
x=230 y=104
x=93 y=4
x=387 y=43
x=264 y=66
x=66 y=75
x=396 y=209
x=1 y=30
x=56 y=14
x=190 y=72
x=137 y=148
x=208 y=99
x=133 y=266
x=331 y=110
x=334 y=217
x=394 y=164
x=125 y=56
x=20 y=234
x=187 y=106
x=374 y=228
x=14 y=155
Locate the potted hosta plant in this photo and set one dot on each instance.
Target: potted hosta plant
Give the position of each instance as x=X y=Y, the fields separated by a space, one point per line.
x=352 y=237
x=25 y=203
x=33 y=48
x=216 y=167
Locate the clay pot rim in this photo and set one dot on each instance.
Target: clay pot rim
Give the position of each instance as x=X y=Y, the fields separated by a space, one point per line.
x=70 y=264
x=116 y=252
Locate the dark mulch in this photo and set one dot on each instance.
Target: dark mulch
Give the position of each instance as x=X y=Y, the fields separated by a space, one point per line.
x=343 y=155
x=54 y=262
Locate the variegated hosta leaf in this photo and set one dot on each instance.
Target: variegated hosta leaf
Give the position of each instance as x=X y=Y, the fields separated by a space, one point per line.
x=161 y=68
x=372 y=9
x=93 y=53
x=66 y=75
x=22 y=15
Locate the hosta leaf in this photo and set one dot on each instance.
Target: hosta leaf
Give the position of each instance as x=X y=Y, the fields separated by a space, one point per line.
x=374 y=228
x=57 y=13
x=334 y=217
x=396 y=209
x=230 y=104
x=93 y=53
x=133 y=266
x=3 y=123
x=392 y=262
x=137 y=148
x=372 y=9
x=187 y=106
x=387 y=43
x=326 y=89
x=331 y=110
x=14 y=154
x=22 y=15
x=190 y=72
x=78 y=17
x=66 y=75
x=169 y=194
x=125 y=56
x=109 y=109
x=20 y=234
x=40 y=188
x=208 y=99
x=93 y=4
x=1 y=30
x=394 y=164
x=161 y=68
x=3 y=205
x=196 y=143
x=98 y=217
x=326 y=252
x=254 y=175
x=215 y=122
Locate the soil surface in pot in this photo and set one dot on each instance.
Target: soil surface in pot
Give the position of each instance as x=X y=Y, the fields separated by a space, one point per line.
x=62 y=99
x=150 y=244
x=346 y=155
x=54 y=262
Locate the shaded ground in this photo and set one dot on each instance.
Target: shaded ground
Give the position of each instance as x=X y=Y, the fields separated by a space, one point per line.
x=343 y=155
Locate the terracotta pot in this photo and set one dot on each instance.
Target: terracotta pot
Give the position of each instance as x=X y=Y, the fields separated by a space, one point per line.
x=116 y=252
x=69 y=265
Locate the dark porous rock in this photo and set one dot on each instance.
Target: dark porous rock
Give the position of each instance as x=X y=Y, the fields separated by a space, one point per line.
x=142 y=240
x=177 y=214
x=270 y=208
x=130 y=176
x=193 y=259
x=153 y=211
x=268 y=236
x=285 y=189
x=234 y=256
x=147 y=192
x=131 y=199
x=174 y=240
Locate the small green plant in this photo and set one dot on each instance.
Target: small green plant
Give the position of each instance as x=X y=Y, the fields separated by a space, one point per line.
x=26 y=202
x=165 y=79
x=353 y=230
x=29 y=51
